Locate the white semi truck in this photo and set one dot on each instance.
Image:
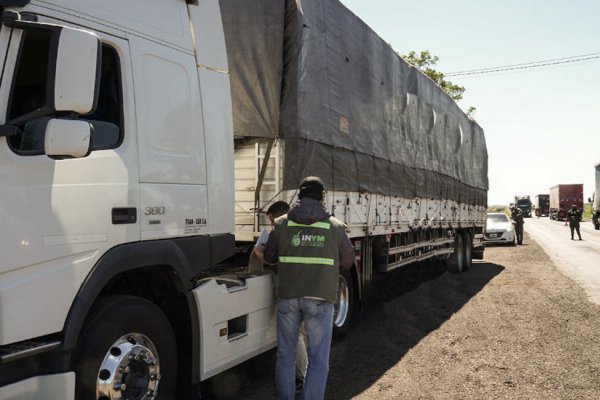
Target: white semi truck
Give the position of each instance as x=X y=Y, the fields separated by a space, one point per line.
x=129 y=182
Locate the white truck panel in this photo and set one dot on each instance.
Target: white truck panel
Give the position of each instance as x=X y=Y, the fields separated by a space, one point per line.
x=163 y=21
x=58 y=386
x=56 y=210
x=170 y=134
x=218 y=304
x=209 y=39
x=58 y=280
x=173 y=211
x=218 y=125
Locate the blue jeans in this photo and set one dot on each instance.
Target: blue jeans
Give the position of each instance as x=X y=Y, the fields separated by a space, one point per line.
x=317 y=316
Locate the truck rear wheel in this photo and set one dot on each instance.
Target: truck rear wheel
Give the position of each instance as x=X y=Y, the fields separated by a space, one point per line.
x=126 y=351
x=456 y=261
x=344 y=304
x=468 y=250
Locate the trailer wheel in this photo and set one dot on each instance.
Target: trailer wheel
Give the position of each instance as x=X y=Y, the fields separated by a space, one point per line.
x=344 y=304
x=468 y=253
x=456 y=261
x=127 y=351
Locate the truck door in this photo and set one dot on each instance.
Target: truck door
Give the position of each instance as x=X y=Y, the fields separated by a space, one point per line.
x=171 y=145
x=59 y=215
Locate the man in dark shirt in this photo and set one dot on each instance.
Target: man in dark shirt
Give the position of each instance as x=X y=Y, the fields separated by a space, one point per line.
x=574 y=217
x=517 y=216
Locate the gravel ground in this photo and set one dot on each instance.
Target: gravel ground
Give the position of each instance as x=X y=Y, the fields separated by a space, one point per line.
x=512 y=327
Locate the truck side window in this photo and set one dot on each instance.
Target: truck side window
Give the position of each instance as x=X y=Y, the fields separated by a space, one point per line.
x=107 y=119
x=29 y=87
x=29 y=94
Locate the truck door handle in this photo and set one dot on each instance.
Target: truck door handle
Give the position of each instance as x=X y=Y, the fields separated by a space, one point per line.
x=124 y=215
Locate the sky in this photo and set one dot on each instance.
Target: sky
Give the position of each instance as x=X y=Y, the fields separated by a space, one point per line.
x=542 y=125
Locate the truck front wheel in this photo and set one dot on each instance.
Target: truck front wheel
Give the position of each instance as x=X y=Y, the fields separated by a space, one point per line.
x=126 y=351
x=343 y=307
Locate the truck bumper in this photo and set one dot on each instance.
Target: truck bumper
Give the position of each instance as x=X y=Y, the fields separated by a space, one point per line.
x=58 y=386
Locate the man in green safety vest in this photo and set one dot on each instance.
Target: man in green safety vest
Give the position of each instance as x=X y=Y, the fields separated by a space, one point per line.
x=309 y=247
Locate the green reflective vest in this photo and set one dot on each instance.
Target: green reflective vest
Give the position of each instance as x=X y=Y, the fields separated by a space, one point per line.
x=308 y=260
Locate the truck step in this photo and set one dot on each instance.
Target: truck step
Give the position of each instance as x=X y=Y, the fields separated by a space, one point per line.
x=25 y=349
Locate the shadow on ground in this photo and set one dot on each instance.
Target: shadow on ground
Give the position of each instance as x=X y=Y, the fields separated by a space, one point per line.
x=417 y=301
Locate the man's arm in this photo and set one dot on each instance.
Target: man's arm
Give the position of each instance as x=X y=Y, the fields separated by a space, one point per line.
x=270 y=251
x=346 y=249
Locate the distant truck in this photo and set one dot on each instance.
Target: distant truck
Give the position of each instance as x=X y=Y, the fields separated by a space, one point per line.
x=595 y=200
x=562 y=197
x=524 y=203
x=541 y=204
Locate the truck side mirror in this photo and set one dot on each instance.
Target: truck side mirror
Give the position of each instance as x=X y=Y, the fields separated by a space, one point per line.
x=77 y=71
x=74 y=69
x=68 y=138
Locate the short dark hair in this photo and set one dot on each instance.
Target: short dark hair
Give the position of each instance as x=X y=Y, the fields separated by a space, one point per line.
x=312 y=187
x=278 y=209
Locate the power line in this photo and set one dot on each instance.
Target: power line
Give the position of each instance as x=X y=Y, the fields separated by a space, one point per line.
x=530 y=65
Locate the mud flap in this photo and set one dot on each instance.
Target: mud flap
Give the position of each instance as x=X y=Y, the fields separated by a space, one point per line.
x=478 y=247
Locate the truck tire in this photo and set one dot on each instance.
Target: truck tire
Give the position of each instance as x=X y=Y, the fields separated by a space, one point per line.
x=127 y=350
x=344 y=304
x=468 y=250
x=456 y=261
x=597 y=226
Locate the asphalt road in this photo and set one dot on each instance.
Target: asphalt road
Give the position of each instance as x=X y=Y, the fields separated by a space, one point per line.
x=579 y=260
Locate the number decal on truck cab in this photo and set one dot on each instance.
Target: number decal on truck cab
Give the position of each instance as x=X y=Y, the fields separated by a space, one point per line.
x=154 y=211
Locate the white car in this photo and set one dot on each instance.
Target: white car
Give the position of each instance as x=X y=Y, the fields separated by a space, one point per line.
x=499 y=229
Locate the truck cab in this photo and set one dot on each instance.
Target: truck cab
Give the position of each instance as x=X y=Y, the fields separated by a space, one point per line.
x=116 y=191
x=524 y=204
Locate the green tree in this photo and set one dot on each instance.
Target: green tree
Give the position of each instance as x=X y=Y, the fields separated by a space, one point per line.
x=471 y=112
x=426 y=62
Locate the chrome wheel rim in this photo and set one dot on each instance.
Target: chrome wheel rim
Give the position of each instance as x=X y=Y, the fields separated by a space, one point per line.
x=342 y=304
x=130 y=370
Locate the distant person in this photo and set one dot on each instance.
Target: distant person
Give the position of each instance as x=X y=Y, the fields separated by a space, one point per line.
x=517 y=216
x=574 y=217
x=275 y=211
x=309 y=246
